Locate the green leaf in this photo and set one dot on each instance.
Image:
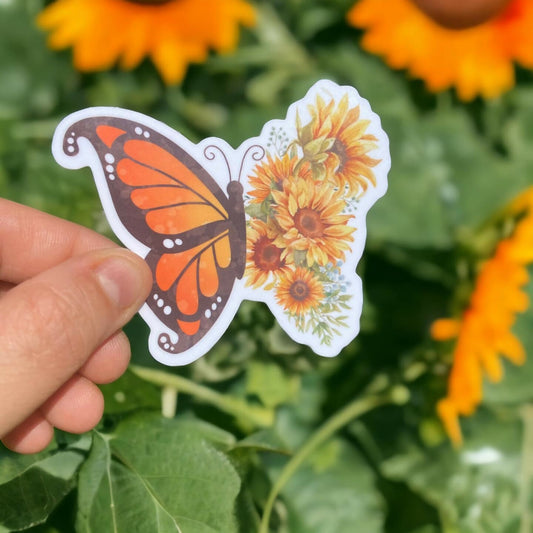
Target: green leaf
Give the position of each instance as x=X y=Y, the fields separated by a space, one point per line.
x=334 y=492
x=159 y=475
x=477 y=489
x=517 y=134
x=266 y=440
x=461 y=180
x=31 y=487
x=271 y=384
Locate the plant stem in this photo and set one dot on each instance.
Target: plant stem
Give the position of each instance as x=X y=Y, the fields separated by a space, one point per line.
x=354 y=409
x=169 y=401
x=526 y=521
x=256 y=415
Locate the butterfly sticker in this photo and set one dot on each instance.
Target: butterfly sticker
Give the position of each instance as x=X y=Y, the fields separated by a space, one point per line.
x=280 y=220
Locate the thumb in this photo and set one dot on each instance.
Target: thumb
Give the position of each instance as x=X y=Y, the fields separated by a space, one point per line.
x=53 y=322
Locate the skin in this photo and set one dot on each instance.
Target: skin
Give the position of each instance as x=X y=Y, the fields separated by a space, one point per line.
x=65 y=293
x=461 y=14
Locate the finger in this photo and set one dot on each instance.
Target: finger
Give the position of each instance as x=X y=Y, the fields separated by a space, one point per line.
x=4 y=287
x=109 y=361
x=32 y=242
x=52 y=323
x=76 y=407
x=31 y=436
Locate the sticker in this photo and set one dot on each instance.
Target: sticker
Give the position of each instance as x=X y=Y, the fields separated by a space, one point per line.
x=279 y=220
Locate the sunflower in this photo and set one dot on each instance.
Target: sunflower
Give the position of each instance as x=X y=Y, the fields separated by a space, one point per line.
x=477 y=61
x=299 y=291
x=484 y=331
x=172 y=32
x=310 y=219
x=336 y=145
x=272 y=173
x=263 y=257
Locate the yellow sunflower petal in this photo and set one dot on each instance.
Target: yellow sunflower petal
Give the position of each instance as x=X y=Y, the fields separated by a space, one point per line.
x=450 y=418
x=173 y=33
x=484 y=331
x=476 y=61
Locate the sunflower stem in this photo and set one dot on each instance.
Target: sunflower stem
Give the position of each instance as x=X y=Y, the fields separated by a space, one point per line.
x=169 y=401
x=257 y=416
x=396 y=395
x=526 y=518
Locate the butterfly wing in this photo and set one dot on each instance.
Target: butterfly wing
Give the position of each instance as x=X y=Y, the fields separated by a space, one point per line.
x=161 y=196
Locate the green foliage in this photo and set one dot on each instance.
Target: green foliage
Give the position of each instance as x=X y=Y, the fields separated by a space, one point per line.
x=247 y=410
x=478 y=489
x=334 y=492
x=121 y=484
x=31 y=487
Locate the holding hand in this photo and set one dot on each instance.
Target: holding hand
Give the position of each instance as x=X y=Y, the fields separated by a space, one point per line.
x=65 y=292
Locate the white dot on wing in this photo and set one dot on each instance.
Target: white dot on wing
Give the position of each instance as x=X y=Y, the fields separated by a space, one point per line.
x=213 y=306
x=167 y=310
x=207 y=313
x=138 y=130
x=168 y=243
x=163 y=338
x=156 y=296
x=179 y=242
x=109 y=158
x=219 y=299
x=71 y=149
x=110 y=168
x=70 y=140
x=111 y=177
x=146 y=134
x=160 y=303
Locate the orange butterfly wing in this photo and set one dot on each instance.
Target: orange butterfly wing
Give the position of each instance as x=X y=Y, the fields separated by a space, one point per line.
x=169 y=202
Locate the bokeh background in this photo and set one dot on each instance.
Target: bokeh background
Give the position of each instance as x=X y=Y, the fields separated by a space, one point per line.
x=265 y=435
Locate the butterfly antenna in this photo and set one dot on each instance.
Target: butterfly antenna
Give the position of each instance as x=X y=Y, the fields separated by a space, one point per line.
x=211 y=152
x=256 y=152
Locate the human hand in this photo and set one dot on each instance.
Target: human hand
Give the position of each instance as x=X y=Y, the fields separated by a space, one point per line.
x=65 y=292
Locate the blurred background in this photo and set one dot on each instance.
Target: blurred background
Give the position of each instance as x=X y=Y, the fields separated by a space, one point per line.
x=246 y=449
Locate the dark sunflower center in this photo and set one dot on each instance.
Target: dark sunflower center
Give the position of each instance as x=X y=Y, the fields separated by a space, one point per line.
x=461 y=14
x=299 y=290
x=339 y=149
x=267 y=256
x=308 y=223
x=148 y=2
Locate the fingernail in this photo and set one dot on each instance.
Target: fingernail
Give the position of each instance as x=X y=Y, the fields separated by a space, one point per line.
x=120 y=279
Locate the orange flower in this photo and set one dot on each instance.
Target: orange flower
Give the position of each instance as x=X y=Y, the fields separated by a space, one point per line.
x=270 y=175
x=173 y=33
x=484 y=331
x=310 y=218
x=476 y=61
x=336 y=145
x=263 y=256
x=299 y=291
